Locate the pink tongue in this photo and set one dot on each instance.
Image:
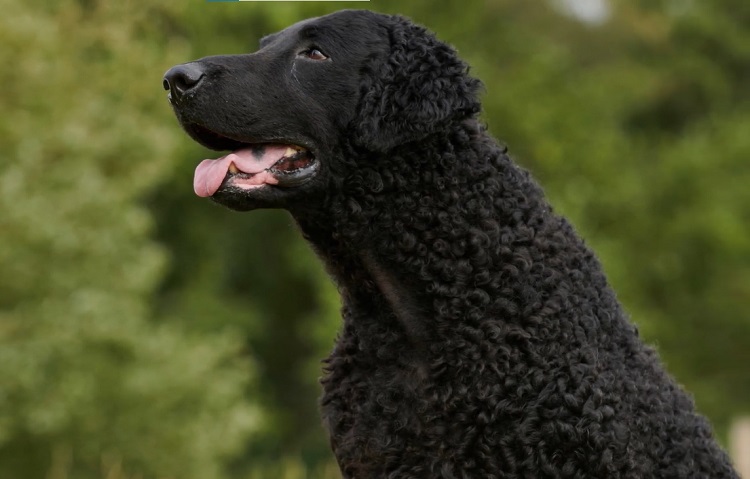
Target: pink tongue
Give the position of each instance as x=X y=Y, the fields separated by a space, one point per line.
x=210 y=174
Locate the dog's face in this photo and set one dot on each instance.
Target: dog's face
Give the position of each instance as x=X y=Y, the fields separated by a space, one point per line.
x=285 y=111
x=280 y=111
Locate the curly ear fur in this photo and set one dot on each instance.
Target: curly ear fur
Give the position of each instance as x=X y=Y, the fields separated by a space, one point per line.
x=420 y=89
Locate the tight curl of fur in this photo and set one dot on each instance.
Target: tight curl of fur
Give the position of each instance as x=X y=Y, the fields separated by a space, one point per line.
x=480 y=336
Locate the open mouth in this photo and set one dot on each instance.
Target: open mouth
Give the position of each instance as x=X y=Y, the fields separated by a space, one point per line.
x=255 y=166
x=252 y=165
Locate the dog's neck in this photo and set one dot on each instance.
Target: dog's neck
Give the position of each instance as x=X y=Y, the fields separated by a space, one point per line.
x=439 y=234
x=450 y=238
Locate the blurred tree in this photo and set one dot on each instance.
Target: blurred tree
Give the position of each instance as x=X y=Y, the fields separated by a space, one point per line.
x=89 y=386
x=691 y=215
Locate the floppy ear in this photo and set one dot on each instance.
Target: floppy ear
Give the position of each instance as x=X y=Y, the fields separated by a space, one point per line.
x=420 y=87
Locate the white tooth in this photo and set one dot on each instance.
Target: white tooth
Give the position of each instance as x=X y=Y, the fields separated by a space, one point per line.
x=290 y=151
x=233 y=169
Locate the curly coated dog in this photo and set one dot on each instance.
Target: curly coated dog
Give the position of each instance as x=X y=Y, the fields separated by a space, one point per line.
x=480 y=338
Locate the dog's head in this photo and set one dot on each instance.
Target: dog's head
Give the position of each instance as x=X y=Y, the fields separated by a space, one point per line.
x=349 y=81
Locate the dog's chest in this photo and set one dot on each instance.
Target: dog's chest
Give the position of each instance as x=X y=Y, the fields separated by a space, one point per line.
x=381 y=404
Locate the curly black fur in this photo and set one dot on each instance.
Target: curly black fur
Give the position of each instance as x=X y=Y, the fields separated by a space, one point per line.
x=480 y=337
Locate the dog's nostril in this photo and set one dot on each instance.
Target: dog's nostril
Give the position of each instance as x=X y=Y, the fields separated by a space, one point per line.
x=182 y=78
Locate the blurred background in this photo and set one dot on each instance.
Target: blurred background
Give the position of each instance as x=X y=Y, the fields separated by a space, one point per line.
x=146 y=333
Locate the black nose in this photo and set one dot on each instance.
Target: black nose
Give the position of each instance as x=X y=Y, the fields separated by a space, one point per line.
x=182 y=78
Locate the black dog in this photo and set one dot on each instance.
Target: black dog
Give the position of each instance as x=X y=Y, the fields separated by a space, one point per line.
x=480 y=337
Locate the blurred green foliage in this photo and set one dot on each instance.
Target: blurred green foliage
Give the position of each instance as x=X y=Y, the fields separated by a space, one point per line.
x=147 y=333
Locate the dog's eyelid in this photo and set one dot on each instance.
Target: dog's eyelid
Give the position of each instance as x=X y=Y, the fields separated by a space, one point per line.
x=314 y=53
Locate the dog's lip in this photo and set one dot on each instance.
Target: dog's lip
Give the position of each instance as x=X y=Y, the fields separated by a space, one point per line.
x=279 y=176
x=222 y=141
x=270 y=177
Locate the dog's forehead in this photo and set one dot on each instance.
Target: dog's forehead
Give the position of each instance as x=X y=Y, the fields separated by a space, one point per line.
x=291 y=32
x=335 y=25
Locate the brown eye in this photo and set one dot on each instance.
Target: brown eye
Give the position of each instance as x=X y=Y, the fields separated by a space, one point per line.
x=314 y=54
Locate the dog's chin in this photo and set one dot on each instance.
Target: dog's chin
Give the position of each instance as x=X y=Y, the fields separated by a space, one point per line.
x=238 y=199
x=263 y=197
